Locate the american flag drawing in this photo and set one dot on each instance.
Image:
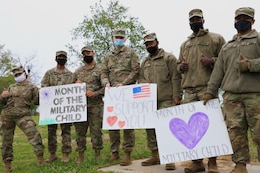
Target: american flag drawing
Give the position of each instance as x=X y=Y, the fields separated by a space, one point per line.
x=141 y=91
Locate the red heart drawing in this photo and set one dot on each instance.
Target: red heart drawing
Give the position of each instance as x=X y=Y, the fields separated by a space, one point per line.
x=121 y=124
x=111 y=120
x=110 y=108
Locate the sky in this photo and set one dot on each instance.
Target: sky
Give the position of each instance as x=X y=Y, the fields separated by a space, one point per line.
x=40 y=28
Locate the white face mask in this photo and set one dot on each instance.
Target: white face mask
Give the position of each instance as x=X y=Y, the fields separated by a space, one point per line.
x=20 y=78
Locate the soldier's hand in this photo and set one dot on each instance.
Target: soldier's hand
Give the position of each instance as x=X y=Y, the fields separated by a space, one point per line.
x=78 y=81
x=176 y=101
x=206 y=97
x=5 y=93
x=205 y=60
x=243 y=64
x=108 y=85
x=89 y=93
x=119 y=85
x=184 y=66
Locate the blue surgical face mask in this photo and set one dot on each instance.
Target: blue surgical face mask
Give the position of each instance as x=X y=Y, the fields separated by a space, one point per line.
x=20 y=78
x=119 y=42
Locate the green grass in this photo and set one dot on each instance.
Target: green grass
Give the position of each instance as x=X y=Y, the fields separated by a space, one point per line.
x=25 y=161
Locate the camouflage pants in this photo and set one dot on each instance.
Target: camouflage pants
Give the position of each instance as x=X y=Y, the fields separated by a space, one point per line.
x=27 y=125
x=193 y=94
x=128 y=143
x=65 y=134
x=242 y=112
x=94 y=122
x=150 y=133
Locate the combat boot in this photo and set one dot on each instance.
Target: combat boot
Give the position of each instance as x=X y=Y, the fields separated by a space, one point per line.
x=114 y=156
x=239 y=168
x=126 y=160
x=97 y=154
x=8 y=167
x=196 y=166
x=153 y=160
x=80 y=157
x=52 y=158
x=212 y=165
x=170 y=166
x=41 y=160
x=65 y=158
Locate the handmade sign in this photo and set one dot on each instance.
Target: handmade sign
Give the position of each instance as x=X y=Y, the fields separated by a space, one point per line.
x=130 y=106
x=191 y=131
x=63 y=104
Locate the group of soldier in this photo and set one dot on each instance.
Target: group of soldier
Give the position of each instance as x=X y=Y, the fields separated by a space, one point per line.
x=205 y=64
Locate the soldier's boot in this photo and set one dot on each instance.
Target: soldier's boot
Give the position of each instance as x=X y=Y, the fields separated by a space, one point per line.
x=114 y=156
x=80 y=157
x=8 y=167
x=239 y=168
x=170 y=166
x=52 y=157
x=126 y=159
x=65 y=158
x=212 y=165
x=41 y=160
x=153 y=160
x=97 y=154
x=196 y=166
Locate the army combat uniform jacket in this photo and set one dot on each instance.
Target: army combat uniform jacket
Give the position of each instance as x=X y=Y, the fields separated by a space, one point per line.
x=235 y=81
x=22 y=96
x=206 y=43
x=162 y=70
x=120 y=67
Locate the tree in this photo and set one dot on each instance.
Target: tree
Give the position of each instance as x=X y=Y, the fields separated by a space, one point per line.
x=97 y=29
x=7 y=62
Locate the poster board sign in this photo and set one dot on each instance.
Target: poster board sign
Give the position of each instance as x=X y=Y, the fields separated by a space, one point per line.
x=130 y=106
x=63 y=104
x=191 y=131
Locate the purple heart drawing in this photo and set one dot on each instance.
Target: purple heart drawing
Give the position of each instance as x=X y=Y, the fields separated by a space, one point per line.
x=190 y=134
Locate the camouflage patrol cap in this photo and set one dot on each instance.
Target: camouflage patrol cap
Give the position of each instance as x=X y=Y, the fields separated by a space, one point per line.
x=17 y=70
x=246 y=11
x=119 y=33
x=61 y=52
x=87 y=48
x=195 y=12
x=150 y=37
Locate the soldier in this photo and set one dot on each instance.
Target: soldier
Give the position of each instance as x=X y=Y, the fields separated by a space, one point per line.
x=90 y=73
x=58 y=75
x=196 y=61
x=160 y=67
x=120 y=67
x=16 y=101
x=237 y=72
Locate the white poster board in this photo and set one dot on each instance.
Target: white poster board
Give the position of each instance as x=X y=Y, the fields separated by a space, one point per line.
x=191 y=131
x=130 y=106
x=63 y=104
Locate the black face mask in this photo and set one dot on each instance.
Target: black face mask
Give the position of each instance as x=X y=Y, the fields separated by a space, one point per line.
x=242 y=25
x=195 y=27
x=152 y=50
x=88 y=59
x=61 y=61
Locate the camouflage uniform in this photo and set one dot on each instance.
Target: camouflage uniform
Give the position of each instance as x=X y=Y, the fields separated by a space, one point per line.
x=16 y=111
x=242 y=89
x=91 y=76
x=162 y=70
x=121 y=66
x=54 y=77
